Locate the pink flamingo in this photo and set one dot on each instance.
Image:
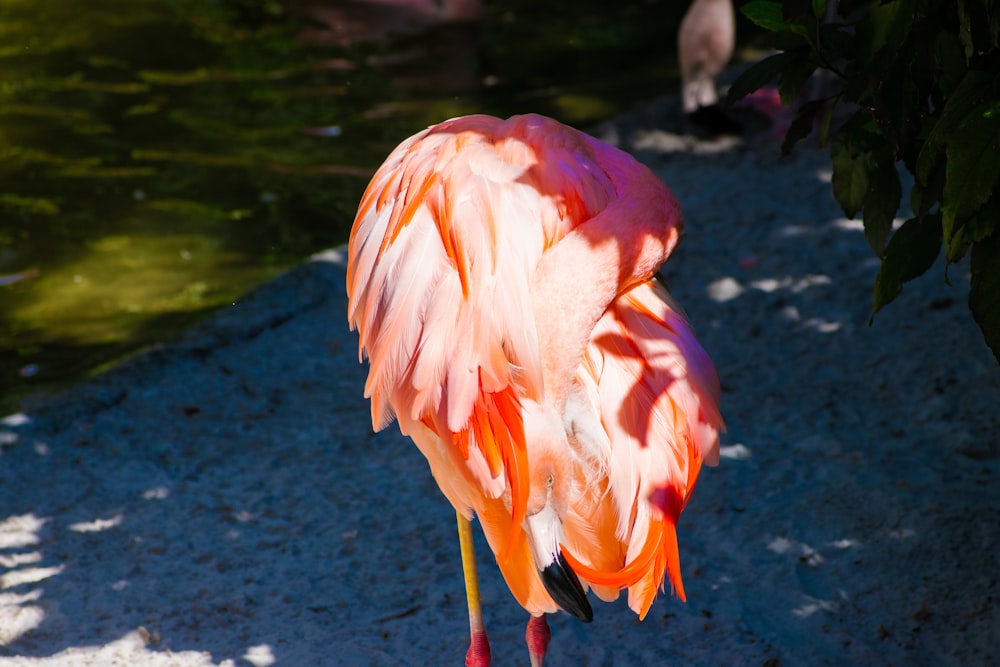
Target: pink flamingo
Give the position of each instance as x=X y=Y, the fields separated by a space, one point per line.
x=500 y=275
x=704 y=46
x=350 y=21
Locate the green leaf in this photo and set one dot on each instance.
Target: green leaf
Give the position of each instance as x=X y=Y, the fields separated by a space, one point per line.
x=865 y=177
x=851 y=165
x=972 y=172
x=984 y=222
x=889 y=23
x=765 y=13
x=912 y=250
x=923 y=198
x=882 y=198
x=801 y=126
x=819 y=9
x=823 y=126
x=796 y=72
x=984 y=290
x=969 y=93
x=948 y=53
x=758 y=75
x=965 y=31
x=900 y=103
x=850 y=178
x=977 y=227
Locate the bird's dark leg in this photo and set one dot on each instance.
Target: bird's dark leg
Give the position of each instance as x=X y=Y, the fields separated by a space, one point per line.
x=537 y=636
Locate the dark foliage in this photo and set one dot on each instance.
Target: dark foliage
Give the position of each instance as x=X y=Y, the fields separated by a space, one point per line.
x=923 y=80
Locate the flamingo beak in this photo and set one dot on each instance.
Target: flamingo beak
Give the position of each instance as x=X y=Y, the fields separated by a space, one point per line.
x=544 y=531
x=564 y=587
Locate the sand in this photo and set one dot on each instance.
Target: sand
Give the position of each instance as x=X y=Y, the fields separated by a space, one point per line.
x=222 y=500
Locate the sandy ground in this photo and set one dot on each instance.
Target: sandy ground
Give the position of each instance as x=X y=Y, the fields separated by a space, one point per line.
x=221 y=500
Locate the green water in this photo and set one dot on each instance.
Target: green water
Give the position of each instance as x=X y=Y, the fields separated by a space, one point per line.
x=160 y=158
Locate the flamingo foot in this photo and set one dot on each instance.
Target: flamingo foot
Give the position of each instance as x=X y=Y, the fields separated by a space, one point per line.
x=479 y=651
x=537 y=635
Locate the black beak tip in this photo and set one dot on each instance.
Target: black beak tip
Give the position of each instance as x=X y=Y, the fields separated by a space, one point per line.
x=564 y=587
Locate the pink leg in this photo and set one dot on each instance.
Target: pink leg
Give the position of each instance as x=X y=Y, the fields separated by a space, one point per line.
x=537 y=635
x=478 y=654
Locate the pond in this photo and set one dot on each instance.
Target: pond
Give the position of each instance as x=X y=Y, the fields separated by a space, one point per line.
x=160 y=158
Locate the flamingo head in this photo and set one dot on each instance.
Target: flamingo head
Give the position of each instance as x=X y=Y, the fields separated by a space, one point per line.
x=550 y=474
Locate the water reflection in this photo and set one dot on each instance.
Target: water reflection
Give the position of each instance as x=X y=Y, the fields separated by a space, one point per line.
x=352 y=21
x=158 y=159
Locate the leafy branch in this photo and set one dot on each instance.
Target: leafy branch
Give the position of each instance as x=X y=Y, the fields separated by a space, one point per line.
x=923 y=80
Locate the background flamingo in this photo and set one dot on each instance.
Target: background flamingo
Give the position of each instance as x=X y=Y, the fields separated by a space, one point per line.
x=345 y=22
x=500 y=276
x=704 y=46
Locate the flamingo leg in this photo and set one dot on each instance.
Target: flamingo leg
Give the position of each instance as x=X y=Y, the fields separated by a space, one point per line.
x=479 y=647
x=537 y=636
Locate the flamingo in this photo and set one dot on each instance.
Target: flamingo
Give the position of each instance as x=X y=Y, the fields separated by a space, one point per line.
x=501 y=278
x=704 y=46
x=350 y=21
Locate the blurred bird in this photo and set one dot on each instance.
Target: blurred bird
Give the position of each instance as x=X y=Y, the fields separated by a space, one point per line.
x=501 y=277
x=346 y=22
x=704 y=46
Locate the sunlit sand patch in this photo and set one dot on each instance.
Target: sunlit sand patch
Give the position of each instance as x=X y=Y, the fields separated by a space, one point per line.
x=97 y=525
x=20 y=531
x=738 y=452
x=17 y=614
x=29 y=575
x=724 y=289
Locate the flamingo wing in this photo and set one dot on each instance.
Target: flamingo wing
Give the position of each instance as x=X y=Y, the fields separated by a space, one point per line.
x=655 y=395
x=442 y=257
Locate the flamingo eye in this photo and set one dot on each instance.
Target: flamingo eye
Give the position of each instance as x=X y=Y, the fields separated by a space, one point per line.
x=549 y=480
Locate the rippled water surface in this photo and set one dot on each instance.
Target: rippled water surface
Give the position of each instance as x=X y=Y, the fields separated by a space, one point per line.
x=162 y=157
